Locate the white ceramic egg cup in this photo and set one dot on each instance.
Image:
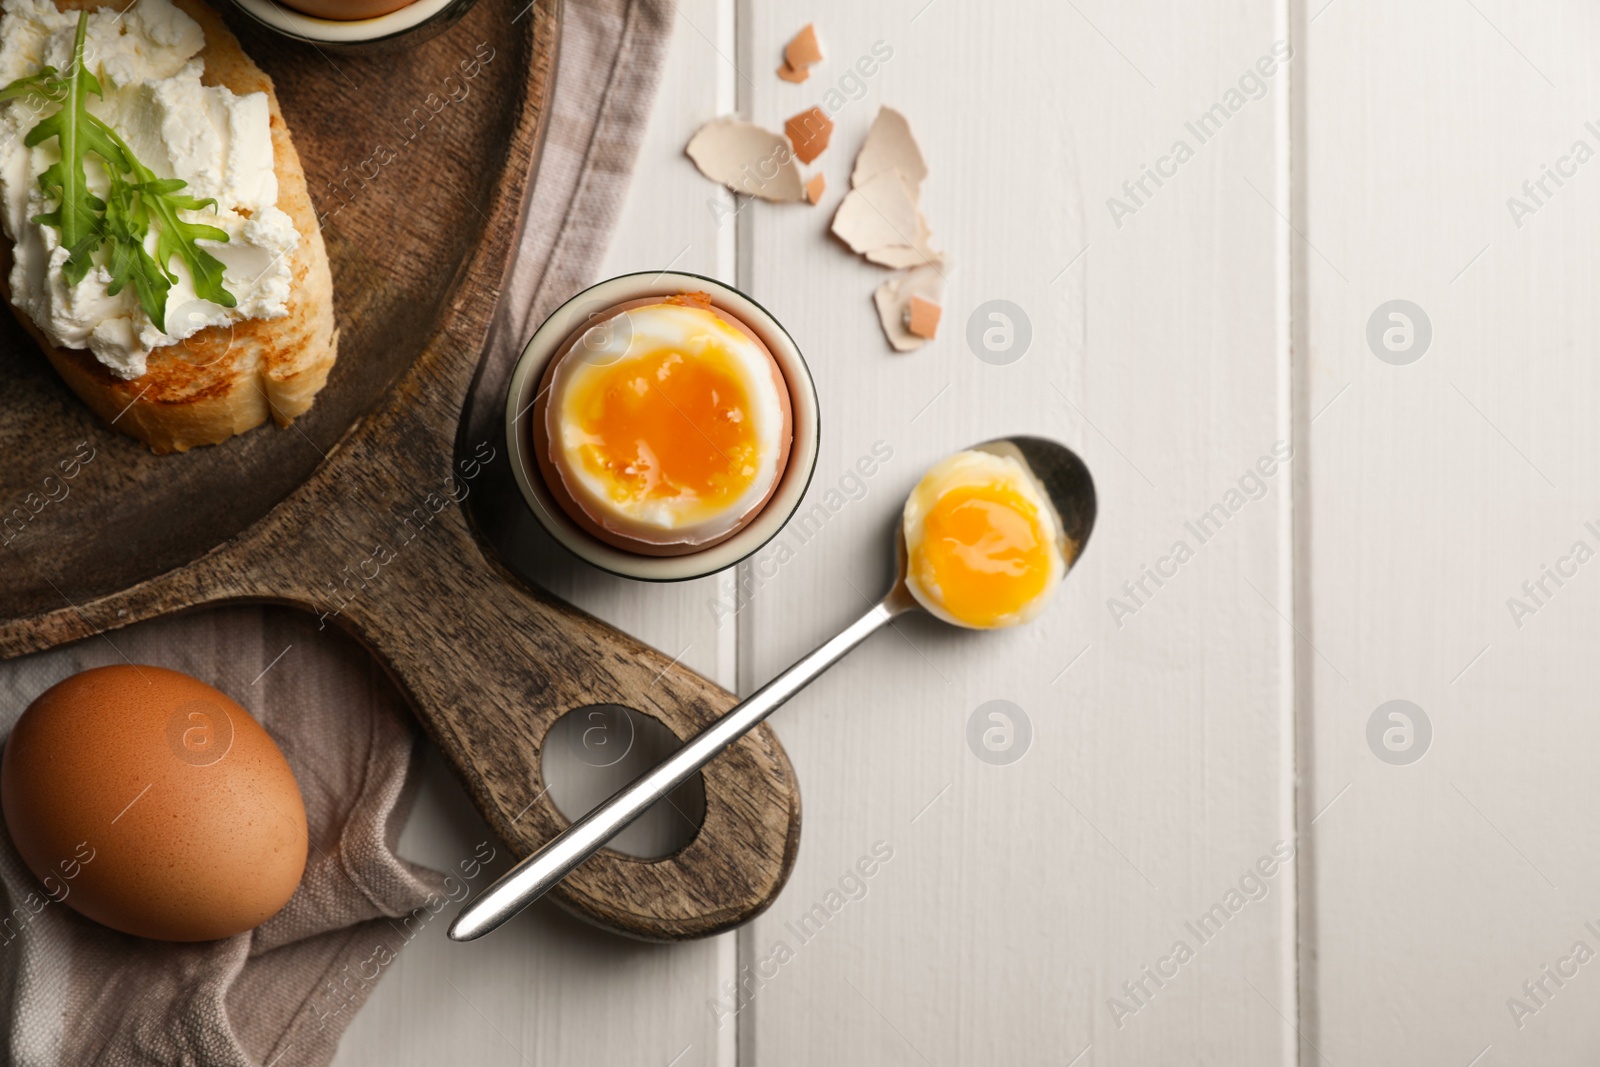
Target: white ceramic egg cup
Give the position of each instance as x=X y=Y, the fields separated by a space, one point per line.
x=435 y=14
x=574 y=315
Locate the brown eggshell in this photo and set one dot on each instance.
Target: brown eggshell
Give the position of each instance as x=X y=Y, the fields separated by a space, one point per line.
x=347 y=10
x=151 y=802
x=809 y=132
x=557 y=486
x=803 y=50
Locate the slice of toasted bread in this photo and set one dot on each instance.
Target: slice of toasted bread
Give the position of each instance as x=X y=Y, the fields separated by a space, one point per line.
x=223 y=380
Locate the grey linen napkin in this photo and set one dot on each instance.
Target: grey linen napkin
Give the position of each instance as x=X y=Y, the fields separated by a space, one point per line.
x=76 y=993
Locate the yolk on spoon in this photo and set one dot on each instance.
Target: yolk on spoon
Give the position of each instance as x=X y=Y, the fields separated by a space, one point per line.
x=984 y=549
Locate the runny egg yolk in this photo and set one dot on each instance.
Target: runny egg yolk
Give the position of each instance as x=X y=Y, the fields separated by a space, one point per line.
x=985 y=550
x=659 y=426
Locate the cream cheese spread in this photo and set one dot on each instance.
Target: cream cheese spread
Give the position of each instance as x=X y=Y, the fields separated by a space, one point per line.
x=218 y=142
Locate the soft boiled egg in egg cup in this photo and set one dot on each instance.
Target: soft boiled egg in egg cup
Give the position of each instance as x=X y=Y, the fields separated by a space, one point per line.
x=664 y=426
x=357 y=25
x=984 y=539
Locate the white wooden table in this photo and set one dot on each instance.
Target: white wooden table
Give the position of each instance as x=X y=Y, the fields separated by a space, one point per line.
x=1188 y=730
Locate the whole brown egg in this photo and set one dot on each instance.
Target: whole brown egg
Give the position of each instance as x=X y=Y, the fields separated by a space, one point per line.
x=151 y=802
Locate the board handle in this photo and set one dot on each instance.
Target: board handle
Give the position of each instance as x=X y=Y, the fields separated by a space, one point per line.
x=489 y=664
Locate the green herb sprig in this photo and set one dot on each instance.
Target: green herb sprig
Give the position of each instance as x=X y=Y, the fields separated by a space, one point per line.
x=135 y=200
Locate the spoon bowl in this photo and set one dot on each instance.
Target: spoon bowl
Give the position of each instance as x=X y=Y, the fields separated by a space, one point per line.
x=1066 y=485
x=1063 y=477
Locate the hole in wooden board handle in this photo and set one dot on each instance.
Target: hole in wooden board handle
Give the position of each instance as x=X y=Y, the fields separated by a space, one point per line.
x=490 y=665
x=593 y=751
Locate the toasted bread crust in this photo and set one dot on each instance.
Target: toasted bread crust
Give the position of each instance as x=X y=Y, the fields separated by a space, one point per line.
x=222 y=381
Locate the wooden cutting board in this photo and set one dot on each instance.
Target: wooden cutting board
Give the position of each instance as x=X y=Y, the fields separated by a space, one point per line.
x=356 y=512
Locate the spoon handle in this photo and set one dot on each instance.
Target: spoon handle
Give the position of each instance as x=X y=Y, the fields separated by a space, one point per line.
x=539 y=873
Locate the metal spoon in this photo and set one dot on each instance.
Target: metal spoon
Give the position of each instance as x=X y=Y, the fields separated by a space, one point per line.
x=1066 y=484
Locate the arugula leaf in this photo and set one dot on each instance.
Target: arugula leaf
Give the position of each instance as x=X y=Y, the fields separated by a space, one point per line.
x=77 y=213
x=177 y=237
x=47 y=84
x=123 y=219
x=127 y=222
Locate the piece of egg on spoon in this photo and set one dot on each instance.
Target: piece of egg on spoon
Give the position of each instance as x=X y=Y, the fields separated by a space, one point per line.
x=664 y=426
x=984 y=547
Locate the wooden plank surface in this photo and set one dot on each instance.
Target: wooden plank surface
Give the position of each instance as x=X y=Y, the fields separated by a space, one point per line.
x=1020 y=898
x=1437 y=488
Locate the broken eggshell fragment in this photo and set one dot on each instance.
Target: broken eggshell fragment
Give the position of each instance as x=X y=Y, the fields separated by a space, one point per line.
x=922 y=317
x=882 y=215
x=894 y=298
x=809 y=133
x=803 y=49
x=890 y=146
x=747 y=159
